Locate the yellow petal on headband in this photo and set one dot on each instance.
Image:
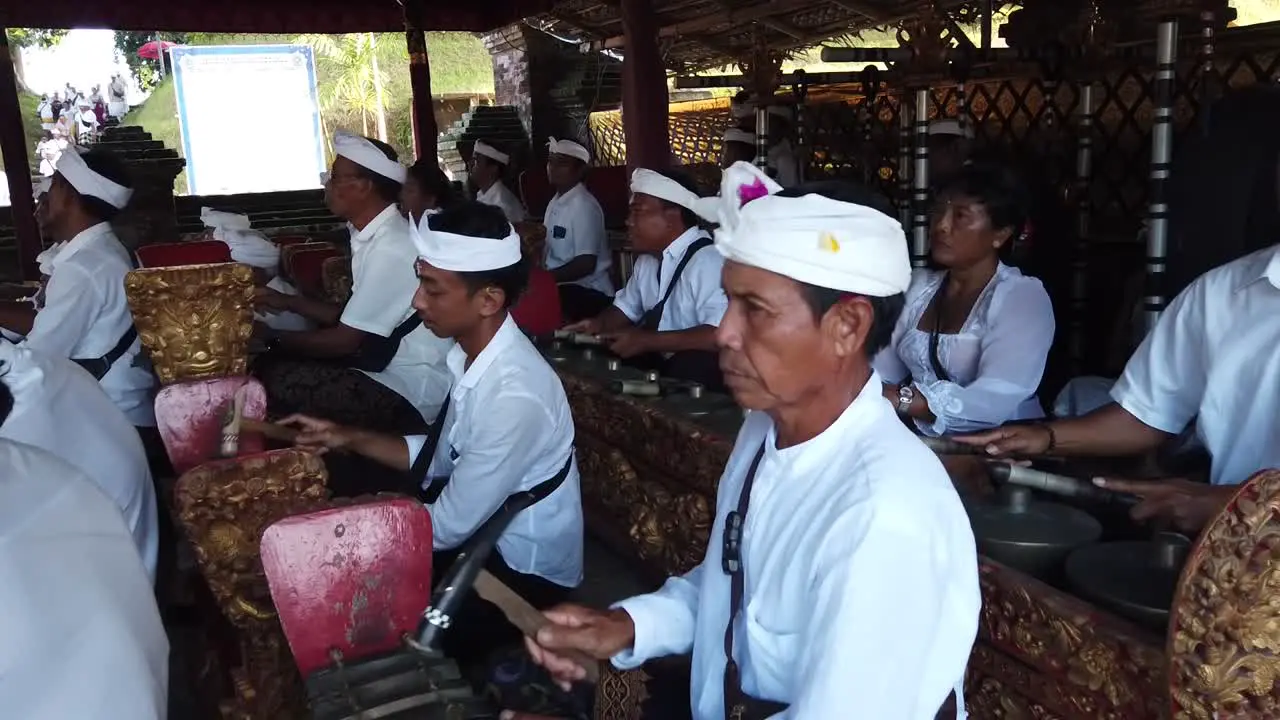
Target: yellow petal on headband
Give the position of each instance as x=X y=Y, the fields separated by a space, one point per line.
x=828 y=243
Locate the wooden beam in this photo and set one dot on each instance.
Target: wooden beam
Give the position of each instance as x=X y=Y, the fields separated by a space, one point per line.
x=871 y=12
x=13 y=143
x=782 y=27
x=426 y=133
x=710 y=20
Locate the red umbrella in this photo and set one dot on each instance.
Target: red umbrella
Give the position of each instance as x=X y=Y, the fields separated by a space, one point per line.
x=152 y=50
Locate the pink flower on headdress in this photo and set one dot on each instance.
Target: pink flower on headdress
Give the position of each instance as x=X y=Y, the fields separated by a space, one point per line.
x=752 y=191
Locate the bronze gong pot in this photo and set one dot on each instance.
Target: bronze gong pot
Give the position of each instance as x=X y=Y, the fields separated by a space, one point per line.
x=1034 y=536
x=1134 y=579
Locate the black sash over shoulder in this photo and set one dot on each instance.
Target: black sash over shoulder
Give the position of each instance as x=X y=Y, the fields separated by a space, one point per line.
x=653 y=316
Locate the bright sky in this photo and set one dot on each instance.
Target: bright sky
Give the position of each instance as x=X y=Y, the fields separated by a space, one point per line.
x=84 y=58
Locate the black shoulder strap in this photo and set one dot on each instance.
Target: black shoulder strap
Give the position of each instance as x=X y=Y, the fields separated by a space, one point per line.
x=422 y=463
x=402 y=330
x=653 y=317
x=100 y=366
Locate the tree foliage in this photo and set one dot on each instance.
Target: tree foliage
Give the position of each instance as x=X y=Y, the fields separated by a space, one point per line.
x=35 y=37
x=129 y=43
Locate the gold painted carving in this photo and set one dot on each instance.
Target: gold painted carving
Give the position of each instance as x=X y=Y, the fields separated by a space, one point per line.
x=1224 y=630
x=335 y=273
x=224 y=507
x=989 y=699
x=1078 y=661
x=194 y=320
x=621 y=694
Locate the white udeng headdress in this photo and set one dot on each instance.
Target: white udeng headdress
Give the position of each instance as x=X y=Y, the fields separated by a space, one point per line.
x=367 y=155
x=570 y=148
x=87 y=182
x=247 y=246
x=813 y=239
x=462 y=253
x=648 y=182
x=489 y=151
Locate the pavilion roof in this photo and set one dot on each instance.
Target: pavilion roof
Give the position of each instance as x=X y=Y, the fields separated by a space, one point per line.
x=697 y=34
x=264 y=16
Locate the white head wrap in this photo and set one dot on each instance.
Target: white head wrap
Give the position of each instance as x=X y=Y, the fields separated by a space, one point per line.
x=739 y=135
x=489 y=151
x=367 y=155
x=950 y=127
x=570 y=148
x=247 y=246
x=87 y=182
x=461 y=253
x=813 y=239
x=648 y=182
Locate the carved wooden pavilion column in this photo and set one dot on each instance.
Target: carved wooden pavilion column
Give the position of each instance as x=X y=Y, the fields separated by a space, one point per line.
x=425 y=132
x=644 y=89
x=13 y=144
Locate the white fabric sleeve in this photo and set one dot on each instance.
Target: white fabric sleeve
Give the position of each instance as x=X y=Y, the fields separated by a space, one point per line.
x=1164 y=381
x=382 y=296
x=72 y=301
x=705 y=273
x=887 y=363
x=664 y=620
x=586 y=231
x=630 y=300
x=892 y=654
x=416 y=443
x=491 y=469
x=1014 y=348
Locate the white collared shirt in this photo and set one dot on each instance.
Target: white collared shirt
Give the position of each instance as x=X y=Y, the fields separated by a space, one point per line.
x=862 y=595
x=782 y=158
x=698 y=298
x=575 y=227
x=57 y=406
x=500 y=196
x=383 y=282
x=82 y=633
x=86 y=313
x=1212 y=357
x=995 y=362
x=508 y=429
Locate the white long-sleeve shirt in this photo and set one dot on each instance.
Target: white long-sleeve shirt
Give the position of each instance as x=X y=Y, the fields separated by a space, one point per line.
x=508 y=428
x=995 y=362
x=1212 y=357
x=82 y=633
x=862 y=593
x=58 y=407
x=698 y=299
x=575 y=227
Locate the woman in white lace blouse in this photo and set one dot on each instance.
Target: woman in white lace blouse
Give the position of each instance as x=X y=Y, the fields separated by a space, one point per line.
x=969 y=349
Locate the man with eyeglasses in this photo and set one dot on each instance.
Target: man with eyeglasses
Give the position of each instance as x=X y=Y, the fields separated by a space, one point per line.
x=841 y=578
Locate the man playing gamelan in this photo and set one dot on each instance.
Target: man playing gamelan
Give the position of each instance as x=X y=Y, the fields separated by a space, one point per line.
x=488 y=164
x=841 y=579
x=578 y=252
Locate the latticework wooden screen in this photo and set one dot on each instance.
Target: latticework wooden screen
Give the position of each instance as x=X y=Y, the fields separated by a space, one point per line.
x=1010 y=114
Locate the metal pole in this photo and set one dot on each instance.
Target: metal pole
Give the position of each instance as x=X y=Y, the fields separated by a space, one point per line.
x=920 y=183
x=904 y=161
x=1080 y=263
x=1161 y=149
x=762 y=136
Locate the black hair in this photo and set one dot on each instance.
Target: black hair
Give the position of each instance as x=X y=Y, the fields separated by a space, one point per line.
x=6 y=402
x=110 y=167
x=478 y=220
x=387 y=189
x=434 y=182
x=684 y=180
x=998 y=189
x=1223 y=199
x=885 y=310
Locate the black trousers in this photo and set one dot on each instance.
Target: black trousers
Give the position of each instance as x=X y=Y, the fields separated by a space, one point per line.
x=479 y=628
x=580 y=303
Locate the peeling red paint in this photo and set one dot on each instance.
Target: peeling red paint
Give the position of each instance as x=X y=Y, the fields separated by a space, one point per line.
x=190 y=417
x=352 y=579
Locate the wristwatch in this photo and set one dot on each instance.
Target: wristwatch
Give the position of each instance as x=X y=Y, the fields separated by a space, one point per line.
x=906 y=394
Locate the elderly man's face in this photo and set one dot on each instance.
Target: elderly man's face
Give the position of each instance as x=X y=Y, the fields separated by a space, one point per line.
x=344 y=187
x=773 y=352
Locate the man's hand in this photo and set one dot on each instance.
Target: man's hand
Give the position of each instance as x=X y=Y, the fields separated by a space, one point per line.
x=629 y=342
x=600 y=634
x=321 y=434
x=590 y=326
x=271 y=301
x=1011 y=440
x=1185 y=505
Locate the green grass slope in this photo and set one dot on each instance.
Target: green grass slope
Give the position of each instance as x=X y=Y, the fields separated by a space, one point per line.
x=159 y=116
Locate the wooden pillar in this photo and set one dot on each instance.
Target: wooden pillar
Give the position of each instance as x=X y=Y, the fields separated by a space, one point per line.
x=13 y=144
x=644 y=89
x=425 y=132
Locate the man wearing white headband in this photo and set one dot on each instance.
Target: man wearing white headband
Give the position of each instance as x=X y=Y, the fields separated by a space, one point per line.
x=488 y=164
x=83 y=633
x=578 y=252
x=368 y=362
x=782 y=155
x=851 y=561
x=506 y=428
x=738 y=145
x=950 y=148
x=666 y=315
x=253 y=249
x=85 y=316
